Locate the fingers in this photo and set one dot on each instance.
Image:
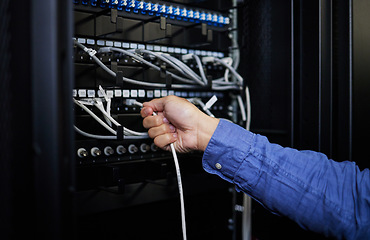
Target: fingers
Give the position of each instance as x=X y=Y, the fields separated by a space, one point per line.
x=162 y=141
x=154 y=121
x=160 y=130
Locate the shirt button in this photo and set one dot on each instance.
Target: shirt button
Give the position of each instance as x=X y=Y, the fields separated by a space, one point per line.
x=218 y=166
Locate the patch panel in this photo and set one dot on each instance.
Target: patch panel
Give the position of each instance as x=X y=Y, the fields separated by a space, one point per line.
x=178 y=13
x=155 y=48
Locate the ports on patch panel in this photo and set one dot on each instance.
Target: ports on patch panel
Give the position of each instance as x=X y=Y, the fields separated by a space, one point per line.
x=81 y=152
x=108 y=151
x=153 y=147
x=95 y=152
x=121 y=149
x=144 y=147
x=132 y=149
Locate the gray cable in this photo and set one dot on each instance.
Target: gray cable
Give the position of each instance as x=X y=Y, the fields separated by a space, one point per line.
x=237 y=75
x=186 y=69
x=201 y=70
x=106 y=137
x=185 y=80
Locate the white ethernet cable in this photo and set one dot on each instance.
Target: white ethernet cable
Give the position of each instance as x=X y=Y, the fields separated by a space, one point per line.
x=206 y=106
x=79 y=103
x=246 y=116
x=108 y=100
x=233 y=71
x=200 y=67
x=126 y=131
x=179 y=182
x=99 y=105
x=228 y=61
x=186 y=69
x=166 y=59
x=89 y=135
x=142 y=60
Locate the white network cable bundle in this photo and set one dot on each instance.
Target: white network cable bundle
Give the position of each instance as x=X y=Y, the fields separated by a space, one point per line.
x=190 y=80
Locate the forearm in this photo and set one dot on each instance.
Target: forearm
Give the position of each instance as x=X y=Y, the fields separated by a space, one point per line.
x=319 y=194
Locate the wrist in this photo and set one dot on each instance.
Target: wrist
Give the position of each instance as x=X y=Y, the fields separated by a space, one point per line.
x=206 y=128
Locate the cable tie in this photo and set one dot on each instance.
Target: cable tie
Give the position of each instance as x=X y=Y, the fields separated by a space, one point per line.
x=120 y=135
x=210 y=103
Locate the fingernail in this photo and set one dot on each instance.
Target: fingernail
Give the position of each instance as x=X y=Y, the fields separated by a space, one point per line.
x=165 y=120
x=172 y=128
x=145 y=112
x=174 y=135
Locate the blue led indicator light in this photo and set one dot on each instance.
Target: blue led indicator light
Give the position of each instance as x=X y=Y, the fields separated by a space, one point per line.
x=156 y=9
x=227 y=20
x=113 y=3
x=184 y=14
x=203 y=16
x=162 y=10
x=104 y=3
x=197 y=16
x=177 y=13
x=94 y=3
x=141 y=7
x=134 y=4
x=170 y=12
x=85 y=2
x=148 y=8
x=191 y=15
x=122 y=4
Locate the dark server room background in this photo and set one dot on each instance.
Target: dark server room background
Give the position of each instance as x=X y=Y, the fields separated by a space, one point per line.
x=306 y=64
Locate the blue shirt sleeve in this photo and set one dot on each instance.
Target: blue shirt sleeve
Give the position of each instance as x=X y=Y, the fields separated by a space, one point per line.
x=321 y=195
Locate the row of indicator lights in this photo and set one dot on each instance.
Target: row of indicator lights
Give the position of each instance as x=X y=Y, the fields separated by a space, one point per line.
x=155 y=9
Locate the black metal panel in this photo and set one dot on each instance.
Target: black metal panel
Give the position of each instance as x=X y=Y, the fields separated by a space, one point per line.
x=361 y=83
x=51 y=76
x=325 y=78
x=15 y=122
x=342 y=81
x=306 y=68
x=265 y=62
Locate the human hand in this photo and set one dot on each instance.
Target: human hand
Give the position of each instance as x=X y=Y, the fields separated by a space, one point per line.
x=179 y=122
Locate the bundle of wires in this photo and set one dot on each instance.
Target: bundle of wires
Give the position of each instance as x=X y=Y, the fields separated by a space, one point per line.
x=97 y=102
x=189 y=78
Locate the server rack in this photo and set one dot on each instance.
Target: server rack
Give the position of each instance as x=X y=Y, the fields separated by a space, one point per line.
x=289 y=47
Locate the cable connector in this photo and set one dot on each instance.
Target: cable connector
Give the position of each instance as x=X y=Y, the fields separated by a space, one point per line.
x=210 y=103
x=187 y=57
x=90 y=51
x=208 y=59
x=227 y=60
